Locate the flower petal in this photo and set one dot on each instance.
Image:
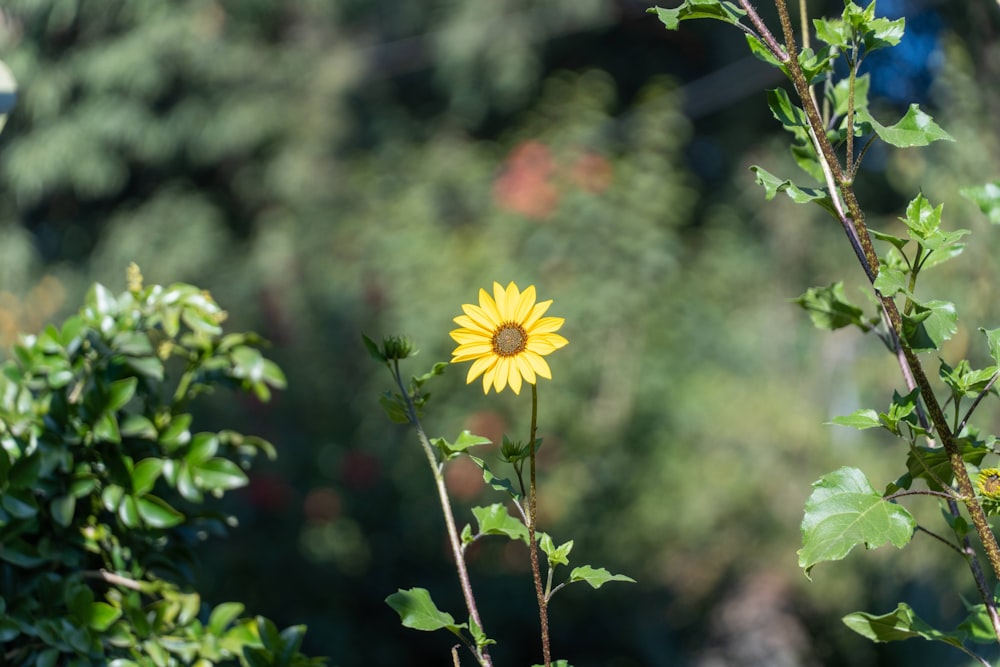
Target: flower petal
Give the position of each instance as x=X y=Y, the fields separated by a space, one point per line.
x=472 y=351
x=524 y=304
x=490 y=309
x=511 y=299
x=503 y=370
x=469 y=336
x=478 y=367
x=546 y=325
x=488 y=377
x=536 y=313
x=514 y=377
x=467 y=322
x=537 y=364
x=480 y=317
x=546 y=343
x=524 y=367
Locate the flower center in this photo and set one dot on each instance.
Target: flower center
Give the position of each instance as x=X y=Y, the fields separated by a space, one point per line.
x=509 y=339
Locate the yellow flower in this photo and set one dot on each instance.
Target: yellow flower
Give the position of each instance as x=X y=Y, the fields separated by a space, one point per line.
x=505 y=337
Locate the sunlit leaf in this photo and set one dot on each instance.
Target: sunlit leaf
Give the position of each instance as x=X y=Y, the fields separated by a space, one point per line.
x=844 y=511
x=915 y=128
x=898 y=625
x=496 y=520
x=699 y=9
x=859 y=419
x=829 y=308
x=987 y=198
x=416 y=610
x=773 y=185
x=596 y=577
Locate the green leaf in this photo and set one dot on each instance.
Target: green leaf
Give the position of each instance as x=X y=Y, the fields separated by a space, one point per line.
x=496 y=483
x=137 y=426
x=898 y=625
x=915 y=128
x=773 y=185
x=987 y=198
x=156 y=513
x=557 y=555
x=219 y=474
x=102 y=615
x=120 y=392
x=106 y=428
x=699 y=9
x=933 y=464
x=222 y=616
x=596 y=577
x=844 y=511
x=829 y=308
x=977 y=625
x=891 y=281
x=840 y=95
x=929 y=325
x=464 y=441
x=496 y=520
x=145 y=474
x=883 y=33
x=859 y=419
x=63 y=508
x=373 y=350
x=416 y=610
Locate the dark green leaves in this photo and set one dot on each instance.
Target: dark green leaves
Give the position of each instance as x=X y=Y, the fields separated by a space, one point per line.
x=844 y=511
x=773 y=185
x=699 y=9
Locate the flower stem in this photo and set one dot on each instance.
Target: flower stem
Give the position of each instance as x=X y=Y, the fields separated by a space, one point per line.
x=481 y=653
x=543 y=605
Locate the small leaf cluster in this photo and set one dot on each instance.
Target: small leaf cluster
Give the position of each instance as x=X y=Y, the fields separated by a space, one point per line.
x=102 y=479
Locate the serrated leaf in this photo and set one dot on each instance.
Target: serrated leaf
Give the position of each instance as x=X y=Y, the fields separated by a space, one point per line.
x=915 y=128
x=416 y=610
x=496 y=520
x=891 y=281
x=596 y=577
x=883 y=33
x=844 y=511
x=859 y=419
x=698 y=9
x=464 y=441
x=556 y=555
x=773 y=185
x=898 y=625
x=987 y=198
x=829 y=308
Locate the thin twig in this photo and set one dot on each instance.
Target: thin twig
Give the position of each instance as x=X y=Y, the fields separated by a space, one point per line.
x=941 y=539
x=975 y=404
x=482 y=654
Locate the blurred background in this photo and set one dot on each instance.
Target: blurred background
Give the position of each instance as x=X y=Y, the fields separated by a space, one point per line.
x=328 y=169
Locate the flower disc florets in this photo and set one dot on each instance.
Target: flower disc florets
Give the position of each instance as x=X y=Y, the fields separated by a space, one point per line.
x=505 y=337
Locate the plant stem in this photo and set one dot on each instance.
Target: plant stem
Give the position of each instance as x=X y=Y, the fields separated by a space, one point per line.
x=543 y=610
x=854 y=224
x=481 y=653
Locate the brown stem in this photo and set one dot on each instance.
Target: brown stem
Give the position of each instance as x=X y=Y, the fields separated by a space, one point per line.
x=543 y=605
x=857 y=229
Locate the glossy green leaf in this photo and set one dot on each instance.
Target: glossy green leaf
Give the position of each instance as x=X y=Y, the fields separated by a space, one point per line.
x=596 y=577
x=145 y=474
x=496 y=520
x=21 y=504
x=416 y=610
x=223 y=615
x=987 y=198
x=203 y=447
x=106 y=428
x=219 y=474
x=137 y=426
x=915 y=128
x=844 y=511
x=120 y=392
x=699 y=9
x=156 y=513
x=128 y=512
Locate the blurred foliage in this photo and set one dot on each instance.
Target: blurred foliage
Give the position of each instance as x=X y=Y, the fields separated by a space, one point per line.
x=101 y=479
x=333 y=168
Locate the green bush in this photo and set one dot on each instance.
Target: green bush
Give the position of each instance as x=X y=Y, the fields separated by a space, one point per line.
x=103 y=480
